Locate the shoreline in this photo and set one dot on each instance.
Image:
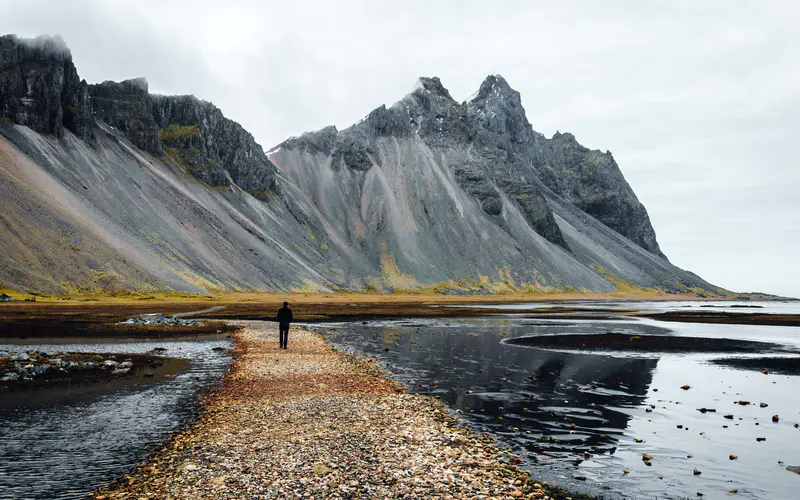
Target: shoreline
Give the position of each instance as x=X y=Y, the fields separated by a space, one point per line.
x=71 y=321
x=312 y=419
x=22 y=322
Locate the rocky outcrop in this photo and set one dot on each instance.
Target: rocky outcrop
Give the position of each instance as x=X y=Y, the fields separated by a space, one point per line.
x=40 y=88
x=592 y=181
x=188 y=131
x=212 y=148
x=127 y=107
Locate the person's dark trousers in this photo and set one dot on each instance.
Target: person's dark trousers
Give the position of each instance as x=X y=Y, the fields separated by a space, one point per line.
x=284 y=334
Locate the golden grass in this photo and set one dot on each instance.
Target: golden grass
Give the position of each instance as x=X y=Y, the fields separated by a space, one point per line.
x=402 y=296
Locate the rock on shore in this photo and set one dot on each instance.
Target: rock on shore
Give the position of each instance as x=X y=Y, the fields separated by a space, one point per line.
x=30 y=369
x=161 y=319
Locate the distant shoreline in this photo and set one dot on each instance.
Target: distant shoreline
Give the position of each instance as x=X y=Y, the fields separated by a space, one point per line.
x=99 y=317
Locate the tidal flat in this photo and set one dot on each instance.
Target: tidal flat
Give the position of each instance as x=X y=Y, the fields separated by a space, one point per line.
x=622 y=408
x=576 y=411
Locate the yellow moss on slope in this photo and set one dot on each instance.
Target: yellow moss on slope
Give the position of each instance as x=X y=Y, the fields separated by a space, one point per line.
x=391 y=275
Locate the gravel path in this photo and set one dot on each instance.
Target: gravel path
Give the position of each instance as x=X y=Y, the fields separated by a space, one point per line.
x=311 y=422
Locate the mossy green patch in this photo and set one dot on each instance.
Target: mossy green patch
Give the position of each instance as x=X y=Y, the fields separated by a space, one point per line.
x=175 y=133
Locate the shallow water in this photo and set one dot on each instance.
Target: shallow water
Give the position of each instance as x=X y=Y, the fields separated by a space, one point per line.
x=741 y=306
x=565 y=403
x=65 y=442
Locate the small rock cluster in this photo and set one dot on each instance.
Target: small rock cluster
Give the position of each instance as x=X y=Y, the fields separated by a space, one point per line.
x=162 y=319
x=33 y=364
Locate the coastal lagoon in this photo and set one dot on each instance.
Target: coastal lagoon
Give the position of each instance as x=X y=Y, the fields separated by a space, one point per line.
x=589 y=420
x=584 y=419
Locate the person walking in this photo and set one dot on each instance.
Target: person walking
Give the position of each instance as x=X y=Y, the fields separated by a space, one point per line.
x=284 y=318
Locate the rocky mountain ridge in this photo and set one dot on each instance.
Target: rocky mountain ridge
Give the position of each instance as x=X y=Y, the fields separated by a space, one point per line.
x=133 y=190
x=37 y=75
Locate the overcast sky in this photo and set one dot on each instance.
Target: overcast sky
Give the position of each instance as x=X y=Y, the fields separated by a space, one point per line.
x=698 y=101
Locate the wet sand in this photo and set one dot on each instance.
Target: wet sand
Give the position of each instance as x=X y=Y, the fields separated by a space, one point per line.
x=80 y=322
x=778 y=365
x=646 y=343
x=311 y=421
x=728 y=318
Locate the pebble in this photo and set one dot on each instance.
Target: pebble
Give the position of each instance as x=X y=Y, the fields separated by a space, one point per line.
x=162 y=319
x=311 y=422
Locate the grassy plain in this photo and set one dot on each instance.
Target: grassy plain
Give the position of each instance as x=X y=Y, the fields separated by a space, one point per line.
x=100 y=315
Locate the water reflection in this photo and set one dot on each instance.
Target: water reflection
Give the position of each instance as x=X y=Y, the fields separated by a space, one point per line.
x=562 y=404
x=581 y=419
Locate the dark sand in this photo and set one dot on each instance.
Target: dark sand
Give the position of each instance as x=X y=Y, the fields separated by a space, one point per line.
x=90 y=320
x=646 y=343
x=778 y=365
x=729 y=318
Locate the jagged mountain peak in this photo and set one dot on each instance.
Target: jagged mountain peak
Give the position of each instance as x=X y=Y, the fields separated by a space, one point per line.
x=315 y=141
x=498 y=111
x=431 y=85
x=495 y=94
x=495 y=87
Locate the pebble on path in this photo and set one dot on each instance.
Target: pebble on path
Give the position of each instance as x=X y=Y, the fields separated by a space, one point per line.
x=312 y=422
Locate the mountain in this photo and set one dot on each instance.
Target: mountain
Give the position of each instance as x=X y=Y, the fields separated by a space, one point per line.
x=107 y=187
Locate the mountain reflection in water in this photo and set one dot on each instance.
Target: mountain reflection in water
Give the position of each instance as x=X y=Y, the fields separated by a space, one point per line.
x=585 y=419
x=562 y=403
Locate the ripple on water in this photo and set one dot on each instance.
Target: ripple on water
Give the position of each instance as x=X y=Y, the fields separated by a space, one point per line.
x=65 y=442
x=606 y=399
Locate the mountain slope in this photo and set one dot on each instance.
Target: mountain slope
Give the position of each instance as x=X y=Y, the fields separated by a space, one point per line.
x=106 y=187
x=468 y=189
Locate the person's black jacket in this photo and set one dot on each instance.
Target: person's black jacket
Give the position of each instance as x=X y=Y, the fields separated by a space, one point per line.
x=285 y=315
